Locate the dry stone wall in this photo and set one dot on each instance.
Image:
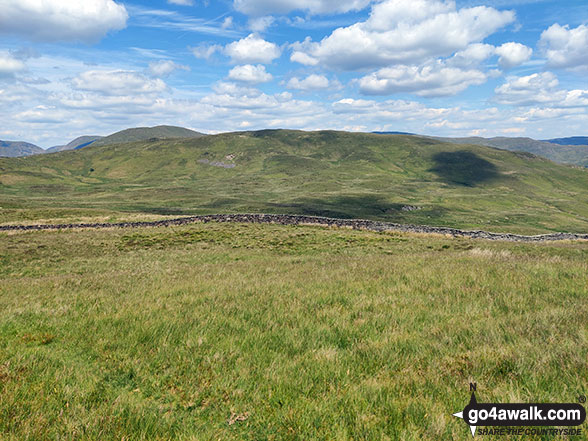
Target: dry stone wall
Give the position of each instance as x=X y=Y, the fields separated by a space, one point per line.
x=286 y=219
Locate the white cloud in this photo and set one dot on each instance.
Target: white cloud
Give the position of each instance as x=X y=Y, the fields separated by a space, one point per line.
x=565 y=47
x=539 y=89
x=260 y=24
x=25 y=53
x=527 y=90
x=163 y=68
x=513 y=54
x=472 y=55
x=430 y=80
x=303 y=58
x=59 y=20
x=402 y=32
x=548 y=113
x=249 y=73
x=9 y=65
x=115 y=83
x=168 y=20
x=181 y=2
x=227 y=23
x=264 y=7
x=43 y=115
x=235 y=98
x=206 y=51
x=252 y=49
x=311 y=82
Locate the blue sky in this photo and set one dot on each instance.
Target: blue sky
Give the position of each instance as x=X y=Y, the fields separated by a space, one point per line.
x=470 y=67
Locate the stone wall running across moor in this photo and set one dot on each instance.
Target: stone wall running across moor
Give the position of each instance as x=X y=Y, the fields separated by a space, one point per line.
x=285 y=219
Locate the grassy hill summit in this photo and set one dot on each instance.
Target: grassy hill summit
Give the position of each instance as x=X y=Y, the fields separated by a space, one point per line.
x=404 y=179
x=13 y=149
x=146 y=133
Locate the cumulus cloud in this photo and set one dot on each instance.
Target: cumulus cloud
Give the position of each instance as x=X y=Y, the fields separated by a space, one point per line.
x=227 y=23
x=233 y=96
x=264 y=7
x=206 y=51
x=513 y=54
x=311 y=82
x=43 y=115
x=163 y=68
x=383 y=112
x=58 y=20
x=401 y=32
x=252 y=49
x=472 y=55
x=260 y=24
x=9 y=65
x=430 y=80
x=539 y=89
x=303 y=58
x=565 y=47
x=249 y=73
x=118 y=82
x=527 y=90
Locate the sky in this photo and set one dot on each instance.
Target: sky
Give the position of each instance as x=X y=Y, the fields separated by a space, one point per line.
x=447 y=68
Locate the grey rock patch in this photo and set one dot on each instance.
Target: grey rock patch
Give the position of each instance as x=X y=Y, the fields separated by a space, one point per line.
x=216 y=163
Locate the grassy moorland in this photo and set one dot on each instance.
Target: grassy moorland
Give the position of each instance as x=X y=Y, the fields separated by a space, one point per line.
x=249 y=332
x=403 y=179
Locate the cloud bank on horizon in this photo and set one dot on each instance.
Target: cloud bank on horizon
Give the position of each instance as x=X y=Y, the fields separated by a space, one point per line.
x=439 y=67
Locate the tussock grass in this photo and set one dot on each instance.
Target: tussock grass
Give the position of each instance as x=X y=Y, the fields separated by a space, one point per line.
x=268 y=332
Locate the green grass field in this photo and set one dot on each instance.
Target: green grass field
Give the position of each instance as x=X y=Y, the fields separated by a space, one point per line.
x=333 y=174
x=249 y=332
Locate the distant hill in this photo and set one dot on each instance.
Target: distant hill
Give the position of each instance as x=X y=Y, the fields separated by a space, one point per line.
x=572 y=140
x=78 y=143
x=405 y=179
x=146 y=133
x=127 y=135
x=13 y=149
x=393 y=133
x=565 y=154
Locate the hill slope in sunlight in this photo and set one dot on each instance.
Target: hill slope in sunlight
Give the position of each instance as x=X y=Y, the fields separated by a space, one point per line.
x=395 y=178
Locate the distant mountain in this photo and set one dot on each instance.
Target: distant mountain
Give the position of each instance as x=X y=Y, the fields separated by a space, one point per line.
x=393 y=133
x=127 y=135
x=565 y=154
x=14 y=149
x=77 y=143
x=147 y=133
x=572 y=140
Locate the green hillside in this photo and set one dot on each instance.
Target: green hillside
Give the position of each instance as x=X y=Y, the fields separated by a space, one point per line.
x=146 y=133
x=76 y=143
x=396 y=178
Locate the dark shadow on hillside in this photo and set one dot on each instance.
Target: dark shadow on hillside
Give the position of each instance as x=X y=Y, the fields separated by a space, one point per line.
x=350 y=207
x=463 y=168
